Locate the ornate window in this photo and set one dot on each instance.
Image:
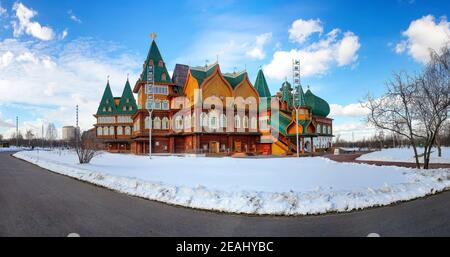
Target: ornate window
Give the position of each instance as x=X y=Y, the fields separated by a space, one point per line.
x=179 y=122
x=147 y=123
x=324 y=131
x=187 y=122
x=318 y=129
x=127 y=130
x=130 y=108
x=245 y=121
x=204 y=119
x=109 y=109
x=223 y=120
x=237 y=121
x=264 y=122
x=329 y=130
x=157 y=104
x=160 y=63
x=99 y=131
x=104 y=109
x=111 y=131
x=105 y=131
x=253 y=123
x=163 y=76
x=119 y=130
x=165 y=105
x=165 y=123
x=124 y=108
x=157 y=123
x=128 y=100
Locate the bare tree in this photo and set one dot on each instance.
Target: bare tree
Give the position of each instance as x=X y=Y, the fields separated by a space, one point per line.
x=51 y=133
x=433 y=99
x=87 y=148
x=415 y=107
x=29 y=136
x=394 y=110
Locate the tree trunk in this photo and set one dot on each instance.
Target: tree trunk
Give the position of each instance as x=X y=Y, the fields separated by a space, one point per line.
x=439 y=150
x=413 y=144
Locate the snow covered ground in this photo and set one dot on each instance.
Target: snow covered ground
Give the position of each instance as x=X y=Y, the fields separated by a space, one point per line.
x=285 y=186
x=405 y=155
x=11 y=149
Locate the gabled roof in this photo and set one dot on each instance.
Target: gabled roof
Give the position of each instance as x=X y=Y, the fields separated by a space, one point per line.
x=155 y=55
x=201 y=73
x=107 y=102
x=235 y=78
x=127 y=100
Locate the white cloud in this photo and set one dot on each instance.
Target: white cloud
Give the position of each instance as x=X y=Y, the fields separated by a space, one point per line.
x=73 y=17
x=74 y=73
x=257 y=51
x=350 y=110
x=302 y=29
x=64 y=33
x=6 y=59
x=2 y=10
x=336 y=48
x=424 y=34
x=230 y=47
x=356 y=130
x=24 y=24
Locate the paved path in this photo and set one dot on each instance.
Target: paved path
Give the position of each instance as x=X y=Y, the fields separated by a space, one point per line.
x=36 y=202
x=351 y=157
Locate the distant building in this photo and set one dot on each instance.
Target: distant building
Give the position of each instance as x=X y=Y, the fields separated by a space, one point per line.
x=68 y=133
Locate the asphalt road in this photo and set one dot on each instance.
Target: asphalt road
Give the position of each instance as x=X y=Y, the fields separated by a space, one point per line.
x=37 y=202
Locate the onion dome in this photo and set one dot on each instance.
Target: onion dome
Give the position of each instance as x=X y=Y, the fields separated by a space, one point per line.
x=319 y=107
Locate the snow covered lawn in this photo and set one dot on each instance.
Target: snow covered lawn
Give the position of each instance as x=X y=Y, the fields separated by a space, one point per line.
x=405 y=155
x=286 y=186
x=11 y=149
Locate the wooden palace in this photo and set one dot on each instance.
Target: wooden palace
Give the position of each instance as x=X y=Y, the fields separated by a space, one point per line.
x=189 y=114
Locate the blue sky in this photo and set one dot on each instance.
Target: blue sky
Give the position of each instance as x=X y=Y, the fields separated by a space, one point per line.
x=60 y=54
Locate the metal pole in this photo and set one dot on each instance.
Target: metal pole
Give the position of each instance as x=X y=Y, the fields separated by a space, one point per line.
x=17 y=131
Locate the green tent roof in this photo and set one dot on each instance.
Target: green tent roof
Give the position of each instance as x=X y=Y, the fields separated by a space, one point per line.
x=107 y=106
x=127 y=100
x=155 y=55
x=261 y=85
x=318 y=106
x=286 y=93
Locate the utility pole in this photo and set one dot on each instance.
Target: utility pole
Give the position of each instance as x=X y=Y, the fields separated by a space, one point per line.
x=297 y=85
x=150 y=89
x=17 y=131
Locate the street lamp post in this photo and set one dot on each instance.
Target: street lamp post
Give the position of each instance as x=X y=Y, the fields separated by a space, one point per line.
x=296 y=96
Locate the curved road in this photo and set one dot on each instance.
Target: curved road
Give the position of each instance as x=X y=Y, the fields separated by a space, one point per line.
x=37 y=202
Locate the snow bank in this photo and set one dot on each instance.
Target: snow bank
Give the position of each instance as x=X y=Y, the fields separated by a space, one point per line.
x=405 y=155
x=282 y=186
x=11 y=149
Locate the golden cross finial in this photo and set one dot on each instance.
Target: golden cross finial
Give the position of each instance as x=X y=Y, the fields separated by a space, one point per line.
x=153 y=36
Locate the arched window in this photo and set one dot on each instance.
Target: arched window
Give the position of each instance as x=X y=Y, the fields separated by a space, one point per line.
x=109 y=109
x=160 y=63
x=237 y=122
x=157 y=104
x=99 y=131
x=329 y=130
x=157 y=123
x=163 y=76
x=124 y=108
x=223 y=120
x=111 y=131
x=130 y=108
x=147 y=122
x=179 y=122
x=245 y=121
x=318 y=129
x=165 y=123
x=119 y=130
x=187 y=121
x=324 y=131
x=105 y=131
x=128 y=130
x=263 y=122
x=104 y=109
x=253 y=123
x=204 y=119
